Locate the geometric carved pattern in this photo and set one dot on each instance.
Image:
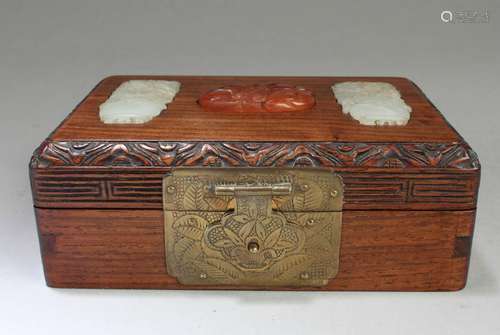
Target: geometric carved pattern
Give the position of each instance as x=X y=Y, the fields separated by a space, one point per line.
x=435 y=190
x=92 y=186
x=408 y=189
x=110 y=190
x=239 y=154
x=121 y=186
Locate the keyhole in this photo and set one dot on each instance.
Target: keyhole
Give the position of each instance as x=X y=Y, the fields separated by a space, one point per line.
x=253 y=247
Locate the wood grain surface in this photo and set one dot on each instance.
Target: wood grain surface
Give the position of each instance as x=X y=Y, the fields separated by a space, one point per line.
x=380 y=250
x=185 y=120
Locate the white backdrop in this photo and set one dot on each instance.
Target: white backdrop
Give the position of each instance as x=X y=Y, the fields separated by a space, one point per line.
x=53 y=52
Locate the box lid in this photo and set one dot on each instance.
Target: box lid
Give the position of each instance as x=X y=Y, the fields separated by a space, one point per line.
x=185 y=120
x=423 y=165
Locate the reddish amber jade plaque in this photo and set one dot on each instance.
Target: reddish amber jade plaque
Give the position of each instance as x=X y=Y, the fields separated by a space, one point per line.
x=258 y=98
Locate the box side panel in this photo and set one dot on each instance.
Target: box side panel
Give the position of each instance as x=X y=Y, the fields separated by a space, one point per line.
x=380 y=250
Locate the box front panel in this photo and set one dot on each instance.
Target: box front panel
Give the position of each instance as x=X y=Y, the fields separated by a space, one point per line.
x=380 y=250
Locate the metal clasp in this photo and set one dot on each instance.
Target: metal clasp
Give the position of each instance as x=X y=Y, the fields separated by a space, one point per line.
x=272 y=189
x=252 y=227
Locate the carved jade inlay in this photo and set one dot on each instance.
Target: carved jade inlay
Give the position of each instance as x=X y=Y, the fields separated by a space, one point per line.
x=258 y=98
x=138 y=101
x=372 y=103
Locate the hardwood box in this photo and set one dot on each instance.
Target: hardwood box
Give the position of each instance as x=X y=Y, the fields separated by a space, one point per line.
x=405 y=219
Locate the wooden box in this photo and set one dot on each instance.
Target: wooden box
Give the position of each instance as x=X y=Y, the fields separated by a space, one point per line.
x=407 y=212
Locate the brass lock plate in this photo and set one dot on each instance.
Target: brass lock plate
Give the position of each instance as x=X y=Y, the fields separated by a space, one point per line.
x=252 y=227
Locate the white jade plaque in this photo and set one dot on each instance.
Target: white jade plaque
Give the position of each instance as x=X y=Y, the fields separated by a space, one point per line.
x=372 y=103
x=138 y=101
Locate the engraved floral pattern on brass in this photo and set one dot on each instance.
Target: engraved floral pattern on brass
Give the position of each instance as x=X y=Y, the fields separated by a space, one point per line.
x=252 y=227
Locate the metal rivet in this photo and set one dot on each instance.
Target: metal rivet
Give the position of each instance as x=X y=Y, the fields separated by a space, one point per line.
x=334 y=193
x=253 y=247
x=304 y=187
x=203 y=275
x=311 y=222
x=171 y=189
x=304 y=275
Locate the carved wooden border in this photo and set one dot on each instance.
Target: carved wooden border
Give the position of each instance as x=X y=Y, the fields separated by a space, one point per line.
x=142 y=188
x=239 y=154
